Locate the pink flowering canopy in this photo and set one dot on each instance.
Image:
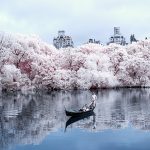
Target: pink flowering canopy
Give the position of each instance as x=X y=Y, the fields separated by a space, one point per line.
x=27 y=63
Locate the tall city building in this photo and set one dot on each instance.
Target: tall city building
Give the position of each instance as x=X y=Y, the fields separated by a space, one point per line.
x=62 y=41
x=117 y=37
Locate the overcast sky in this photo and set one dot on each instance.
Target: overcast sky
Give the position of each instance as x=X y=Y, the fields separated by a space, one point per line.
x=82 y=19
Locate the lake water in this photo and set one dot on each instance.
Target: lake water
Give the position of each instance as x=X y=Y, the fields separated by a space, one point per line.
x=37 y=121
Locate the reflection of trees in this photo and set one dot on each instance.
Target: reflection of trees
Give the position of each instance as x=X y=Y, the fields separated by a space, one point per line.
x=27 y=119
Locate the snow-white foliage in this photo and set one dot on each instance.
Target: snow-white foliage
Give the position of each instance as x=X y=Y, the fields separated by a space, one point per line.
x=28 y=63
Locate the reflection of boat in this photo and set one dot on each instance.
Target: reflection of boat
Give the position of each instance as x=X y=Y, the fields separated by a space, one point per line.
x=80 y=117
x=79 y=112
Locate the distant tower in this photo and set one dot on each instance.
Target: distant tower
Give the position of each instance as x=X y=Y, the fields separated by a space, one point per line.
x=62 y=41
x=61 y=33
x=116 y=31
x=117 y=37
x=132 y=38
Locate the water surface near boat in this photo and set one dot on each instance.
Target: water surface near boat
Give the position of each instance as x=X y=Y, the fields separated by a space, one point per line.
x=121 y=120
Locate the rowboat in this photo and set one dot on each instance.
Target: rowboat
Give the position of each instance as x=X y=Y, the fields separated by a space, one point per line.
x=80 y=112
x=72 y=120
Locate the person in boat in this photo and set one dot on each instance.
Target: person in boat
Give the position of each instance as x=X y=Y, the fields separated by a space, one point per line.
x=93 y=102
x=84 y=108
x=94 y=97
x=91 y=105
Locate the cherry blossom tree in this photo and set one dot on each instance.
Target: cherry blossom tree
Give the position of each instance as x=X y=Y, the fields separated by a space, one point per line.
x=28 y=63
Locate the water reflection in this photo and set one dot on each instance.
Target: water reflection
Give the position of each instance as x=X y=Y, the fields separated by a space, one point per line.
x=28 y=119
x=72 y=120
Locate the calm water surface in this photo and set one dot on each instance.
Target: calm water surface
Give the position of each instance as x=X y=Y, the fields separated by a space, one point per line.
x=37 y=122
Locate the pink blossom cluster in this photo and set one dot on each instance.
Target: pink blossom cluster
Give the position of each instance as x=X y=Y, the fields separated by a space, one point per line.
x=28 y=63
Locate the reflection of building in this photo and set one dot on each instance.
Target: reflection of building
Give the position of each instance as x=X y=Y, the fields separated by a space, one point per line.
x=132 y=38
x=93 y=41
x=117 y=37
x=62 y=41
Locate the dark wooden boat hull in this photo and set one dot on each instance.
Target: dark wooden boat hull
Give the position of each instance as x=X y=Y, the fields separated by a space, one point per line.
x=79 y=113
x=77 y=118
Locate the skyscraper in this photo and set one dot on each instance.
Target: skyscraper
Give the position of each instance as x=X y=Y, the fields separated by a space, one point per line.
x=117 y=37
x=62 y=41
